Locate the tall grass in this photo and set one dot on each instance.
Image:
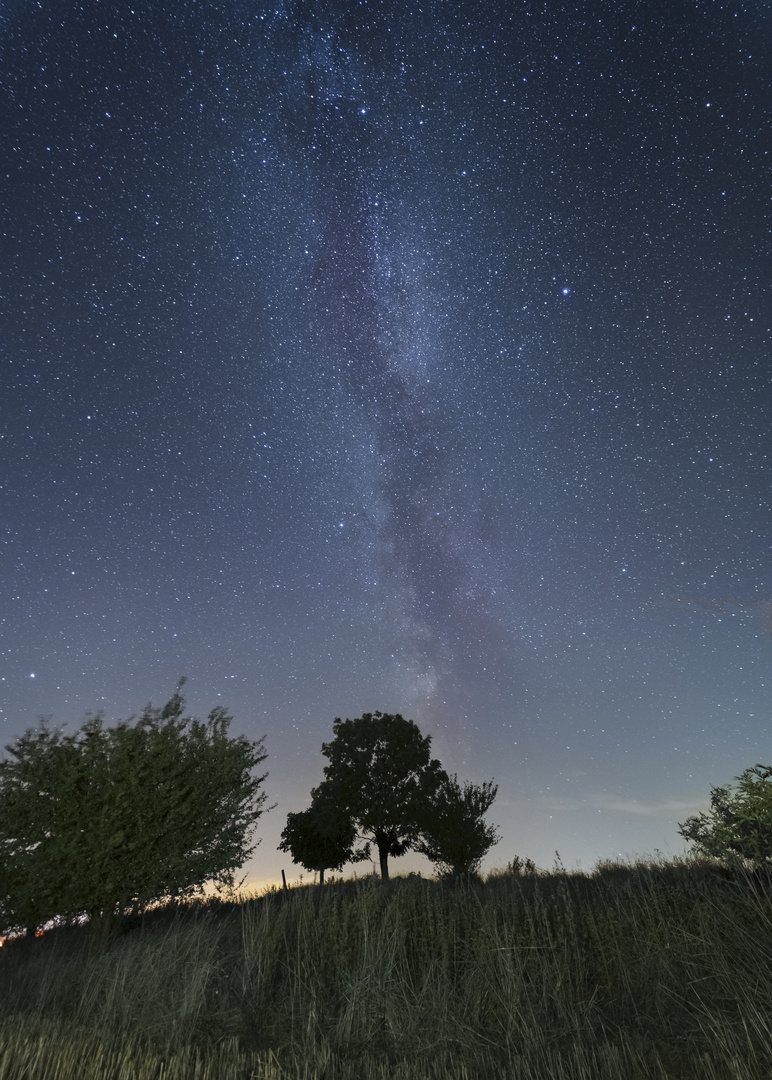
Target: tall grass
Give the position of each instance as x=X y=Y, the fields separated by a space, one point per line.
x=648 y=970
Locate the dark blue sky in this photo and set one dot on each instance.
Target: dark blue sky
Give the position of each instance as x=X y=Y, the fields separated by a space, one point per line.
x=357 y=357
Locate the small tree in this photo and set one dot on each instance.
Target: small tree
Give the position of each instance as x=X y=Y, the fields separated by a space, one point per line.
x=739 y=823
x=455 y=837
x=321 y=838
x=380 y=776
x=108 y=818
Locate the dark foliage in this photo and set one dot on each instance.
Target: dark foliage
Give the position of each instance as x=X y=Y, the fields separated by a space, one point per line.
x=739 y=823
x=454 y=835
x=321 y=838
x=381 y=777
x=109 y=819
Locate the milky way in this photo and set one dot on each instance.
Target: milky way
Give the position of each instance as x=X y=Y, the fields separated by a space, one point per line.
x=360 y=358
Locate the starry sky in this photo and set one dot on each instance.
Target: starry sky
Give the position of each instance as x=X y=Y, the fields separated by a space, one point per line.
x=364 y=355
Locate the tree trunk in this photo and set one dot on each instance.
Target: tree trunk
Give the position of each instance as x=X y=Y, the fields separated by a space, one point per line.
x=321 y=877
x=384 y=857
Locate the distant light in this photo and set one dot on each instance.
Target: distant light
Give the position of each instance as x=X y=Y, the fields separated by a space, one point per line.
x=363 y=111
x=32 y=674
x=566 y=292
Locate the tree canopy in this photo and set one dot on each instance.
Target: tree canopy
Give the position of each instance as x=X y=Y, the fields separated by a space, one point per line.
x=321 y=838
x=739 y=822
x=381 y=776
x=454 y=835
x=106 y=818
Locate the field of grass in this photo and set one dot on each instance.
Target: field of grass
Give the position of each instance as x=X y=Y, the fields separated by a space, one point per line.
x=658 y=969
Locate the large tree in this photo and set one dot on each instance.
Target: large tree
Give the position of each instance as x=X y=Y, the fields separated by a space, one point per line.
x=739 y=823
x=455 y=837
x=381 y=776
x=109 y=818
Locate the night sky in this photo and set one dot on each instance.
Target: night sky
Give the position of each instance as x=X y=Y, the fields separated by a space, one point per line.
x=370 y=355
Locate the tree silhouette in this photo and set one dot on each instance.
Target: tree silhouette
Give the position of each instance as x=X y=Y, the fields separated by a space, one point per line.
x=108 y=818
x=380 y=776
x=321 y=838
x=455 y=837
x=739 y=823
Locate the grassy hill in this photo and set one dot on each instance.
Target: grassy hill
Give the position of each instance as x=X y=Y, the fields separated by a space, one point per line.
x=658 y=969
